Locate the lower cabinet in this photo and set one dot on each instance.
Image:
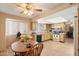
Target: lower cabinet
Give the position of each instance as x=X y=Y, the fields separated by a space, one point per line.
x=46 y=36
x=62 y=37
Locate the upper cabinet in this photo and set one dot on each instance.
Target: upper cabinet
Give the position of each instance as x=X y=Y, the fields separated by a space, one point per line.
x=48 y=26
x=59 y=26
x=33 y=25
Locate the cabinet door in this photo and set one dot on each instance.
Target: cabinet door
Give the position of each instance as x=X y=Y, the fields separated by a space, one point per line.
x=43 y=37
x=46 y=36
x=33 y=25
x=62 y=37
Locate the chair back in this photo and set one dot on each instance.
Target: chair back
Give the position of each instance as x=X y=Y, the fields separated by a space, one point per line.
x=37 y=49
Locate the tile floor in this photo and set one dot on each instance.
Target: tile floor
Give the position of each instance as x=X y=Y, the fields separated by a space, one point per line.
x=51 y=48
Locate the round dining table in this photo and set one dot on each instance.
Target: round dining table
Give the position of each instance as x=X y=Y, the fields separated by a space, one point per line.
x=21 y=47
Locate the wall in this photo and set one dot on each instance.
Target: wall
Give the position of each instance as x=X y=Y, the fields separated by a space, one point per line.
x=78 y=32
x=2 y=33
x=5 y=41
x=9 y=40
x=76 y=39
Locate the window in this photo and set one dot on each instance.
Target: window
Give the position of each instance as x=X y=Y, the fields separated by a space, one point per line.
x=13 y=26
x=40 y=27
x=22 y=27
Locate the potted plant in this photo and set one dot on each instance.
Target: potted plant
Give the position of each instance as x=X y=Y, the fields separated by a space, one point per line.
x=26 y=38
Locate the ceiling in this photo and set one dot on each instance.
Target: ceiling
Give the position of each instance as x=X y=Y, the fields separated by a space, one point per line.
x=66 y=15
x=11 y=8
x=52 y=20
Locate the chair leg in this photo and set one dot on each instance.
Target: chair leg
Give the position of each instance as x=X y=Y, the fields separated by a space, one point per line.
x=15 y=54
x=22 y=53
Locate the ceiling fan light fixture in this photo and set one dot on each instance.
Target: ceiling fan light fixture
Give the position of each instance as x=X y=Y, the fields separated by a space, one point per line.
x=25 y=12
x=30 y=13
x=27 y=8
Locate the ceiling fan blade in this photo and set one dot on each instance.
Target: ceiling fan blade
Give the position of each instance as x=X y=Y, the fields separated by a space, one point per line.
x=72 y=3
x=19 y=6
x=40 y=10
x=22 y=12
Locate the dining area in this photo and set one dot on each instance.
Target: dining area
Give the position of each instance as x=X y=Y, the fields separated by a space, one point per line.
x=26 y=46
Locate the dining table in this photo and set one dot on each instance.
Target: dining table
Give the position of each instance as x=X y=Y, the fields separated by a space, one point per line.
x=22 y=48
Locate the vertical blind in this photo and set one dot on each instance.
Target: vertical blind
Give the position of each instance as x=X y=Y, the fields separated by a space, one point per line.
x=12 y=27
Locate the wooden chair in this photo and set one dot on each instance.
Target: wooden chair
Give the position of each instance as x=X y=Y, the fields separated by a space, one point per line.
x=36 y=50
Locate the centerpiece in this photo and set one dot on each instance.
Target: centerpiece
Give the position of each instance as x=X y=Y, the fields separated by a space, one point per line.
x=26 y=37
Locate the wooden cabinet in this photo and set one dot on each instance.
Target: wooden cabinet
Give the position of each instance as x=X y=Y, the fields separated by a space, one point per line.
x=33 y=25
x=48 y=26
x=62 y=37
x=46 y=36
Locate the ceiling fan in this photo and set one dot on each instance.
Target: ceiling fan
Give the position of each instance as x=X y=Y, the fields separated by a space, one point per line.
x=28 y=7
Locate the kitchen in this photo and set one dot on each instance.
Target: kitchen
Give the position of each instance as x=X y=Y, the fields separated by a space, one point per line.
x=47 y=30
